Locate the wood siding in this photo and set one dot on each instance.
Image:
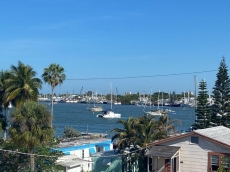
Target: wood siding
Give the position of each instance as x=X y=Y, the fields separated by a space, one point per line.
x=194 y=157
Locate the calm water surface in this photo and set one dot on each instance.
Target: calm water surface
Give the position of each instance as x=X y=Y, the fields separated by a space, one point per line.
x=79 y=117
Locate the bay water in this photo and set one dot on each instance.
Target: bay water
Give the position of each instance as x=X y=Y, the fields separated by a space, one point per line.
x=80 y=118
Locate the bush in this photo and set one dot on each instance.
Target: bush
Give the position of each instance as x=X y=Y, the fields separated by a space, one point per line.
x=70 y=132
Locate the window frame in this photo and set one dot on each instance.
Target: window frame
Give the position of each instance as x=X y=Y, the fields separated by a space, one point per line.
x=220 y=155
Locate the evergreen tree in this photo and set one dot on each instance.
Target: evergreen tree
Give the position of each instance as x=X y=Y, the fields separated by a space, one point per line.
x=203 y=111
x=221 y=90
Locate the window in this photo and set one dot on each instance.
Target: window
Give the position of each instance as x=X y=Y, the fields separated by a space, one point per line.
x=214 y=162
x=98 y=149
x=83 y=153
x=195 y=139
x=216 y=159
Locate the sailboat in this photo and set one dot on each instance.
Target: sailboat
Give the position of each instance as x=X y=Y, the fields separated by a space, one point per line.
x=116 y=102
x=158 y=111
x=109 y=113
x=95 y=108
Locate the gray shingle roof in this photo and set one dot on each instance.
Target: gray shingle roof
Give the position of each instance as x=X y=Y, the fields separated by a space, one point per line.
x=219 y=133
x=162 y=151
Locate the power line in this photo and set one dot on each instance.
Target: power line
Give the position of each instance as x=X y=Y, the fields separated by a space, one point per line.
x=29 y=154
x=150 y=76
x=17 y=152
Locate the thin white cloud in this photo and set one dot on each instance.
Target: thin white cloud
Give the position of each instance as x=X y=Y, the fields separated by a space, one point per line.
x=107 y=17
x=22 y=44
x=54 y=25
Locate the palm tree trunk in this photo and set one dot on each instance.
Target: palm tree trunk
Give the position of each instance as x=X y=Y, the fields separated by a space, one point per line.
x=52 y=106
x=4 y=136
x=32 y=160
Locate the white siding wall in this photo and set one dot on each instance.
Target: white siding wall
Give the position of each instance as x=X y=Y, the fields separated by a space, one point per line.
x=79 y=153
x=76 y=152
x=86 y=153
x=111 y=146
x=193 y=157
x=75 y=169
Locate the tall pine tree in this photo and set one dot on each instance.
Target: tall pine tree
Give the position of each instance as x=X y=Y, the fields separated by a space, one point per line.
x=220 y=109
x=203 y=111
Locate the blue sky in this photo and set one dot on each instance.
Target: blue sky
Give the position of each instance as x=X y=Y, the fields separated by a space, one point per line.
x=116 y=39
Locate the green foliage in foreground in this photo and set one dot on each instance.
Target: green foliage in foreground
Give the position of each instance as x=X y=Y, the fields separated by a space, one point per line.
x=136 y=133
x=30 y=127
x=70 y=132
x=11 y=162
x=224 y=164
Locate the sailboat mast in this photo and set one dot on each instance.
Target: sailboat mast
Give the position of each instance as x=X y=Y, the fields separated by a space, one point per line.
x=162 y=100
x=158 y=100
x=150 y=97
x=195 y=89
x=111 y=94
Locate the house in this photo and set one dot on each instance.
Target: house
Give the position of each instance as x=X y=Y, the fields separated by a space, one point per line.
x=197 y=151
x=78 y=153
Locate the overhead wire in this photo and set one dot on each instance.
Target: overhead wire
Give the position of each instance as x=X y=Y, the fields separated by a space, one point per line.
x=145 y=76
x=116 y=155
x=17 y=152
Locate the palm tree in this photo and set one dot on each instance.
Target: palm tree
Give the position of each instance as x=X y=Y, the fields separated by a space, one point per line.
x=127 y=136
x=3 y=100
x=135 y=135
x=166 y=125
x=22 y=85
x=53 y=75
x=146 y=126
x=31 y=127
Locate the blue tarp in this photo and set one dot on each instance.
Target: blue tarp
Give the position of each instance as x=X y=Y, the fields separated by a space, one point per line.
x=107 y=148
x=92 y=150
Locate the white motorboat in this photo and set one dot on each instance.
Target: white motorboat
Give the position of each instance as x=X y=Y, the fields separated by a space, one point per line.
x=96 y=109
x=109 y=114
x=157 y=112
x=117 y=103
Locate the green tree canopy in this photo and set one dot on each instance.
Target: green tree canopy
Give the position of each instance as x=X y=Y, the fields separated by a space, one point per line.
x=54 y=76
x=22 y=85
x=220 y=109
x=30 y=127
x=203 y=111
x=4 y=75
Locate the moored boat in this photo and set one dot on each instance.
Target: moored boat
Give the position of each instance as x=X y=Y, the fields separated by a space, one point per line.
x=157 y=112
x=96 y=109
x=109 y=114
